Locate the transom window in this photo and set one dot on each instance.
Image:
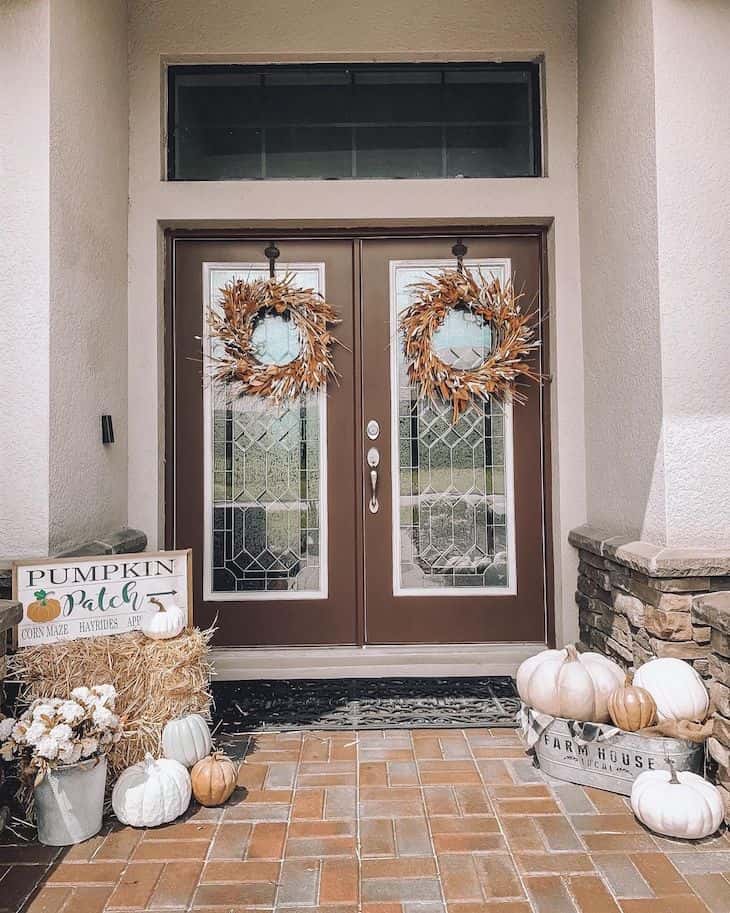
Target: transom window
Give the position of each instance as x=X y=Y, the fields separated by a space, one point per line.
x=328 y=122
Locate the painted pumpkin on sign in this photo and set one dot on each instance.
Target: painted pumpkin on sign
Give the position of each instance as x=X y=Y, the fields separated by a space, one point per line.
x=44 y=609
x=214 y=779
x=631 y=708
x=163 y=624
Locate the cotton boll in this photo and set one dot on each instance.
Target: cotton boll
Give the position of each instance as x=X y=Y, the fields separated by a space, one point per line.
x=37 y=731
x=103 y=717
x=107 y=693
x=43 y=709
x=61 y=733
x=71 y=712
x=69 y=753
x=47 y=748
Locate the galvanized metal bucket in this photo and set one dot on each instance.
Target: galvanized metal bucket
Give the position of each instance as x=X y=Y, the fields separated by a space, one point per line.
x=614 y=763
x=69 y=802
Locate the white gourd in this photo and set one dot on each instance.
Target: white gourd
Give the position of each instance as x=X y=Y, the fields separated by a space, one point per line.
x=569 y=684
x=187 y=739
x=677 y=689
x=151 y=793
x=164 y=623
x=677 y=804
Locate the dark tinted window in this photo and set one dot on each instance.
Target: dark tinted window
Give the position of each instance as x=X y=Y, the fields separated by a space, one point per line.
x=355 y=121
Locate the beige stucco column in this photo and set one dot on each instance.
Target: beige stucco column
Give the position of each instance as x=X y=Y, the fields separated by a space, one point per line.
x=654 y=193
x=63 y=271
x=24 y=275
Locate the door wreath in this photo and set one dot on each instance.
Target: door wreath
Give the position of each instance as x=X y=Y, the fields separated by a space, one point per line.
x=497 y=305
x=240 y=308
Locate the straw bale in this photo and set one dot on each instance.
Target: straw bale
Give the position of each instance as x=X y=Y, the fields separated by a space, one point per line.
x=156 y=681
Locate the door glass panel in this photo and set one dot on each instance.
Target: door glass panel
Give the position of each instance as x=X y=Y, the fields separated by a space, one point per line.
x=453 y=516
x=265 y=468
x=275 y=341
x=463 y=340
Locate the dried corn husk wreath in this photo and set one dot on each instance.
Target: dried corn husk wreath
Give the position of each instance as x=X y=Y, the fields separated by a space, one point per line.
x=513 y=339
x=233 y=321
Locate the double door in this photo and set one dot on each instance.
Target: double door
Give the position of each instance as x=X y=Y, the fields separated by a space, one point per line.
x=361 y=514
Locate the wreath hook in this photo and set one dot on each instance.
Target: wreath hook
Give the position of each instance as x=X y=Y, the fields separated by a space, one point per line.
x=271 y=253
x=460 y=250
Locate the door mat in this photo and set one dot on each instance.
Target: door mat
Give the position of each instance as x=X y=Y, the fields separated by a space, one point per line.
x=362 y=703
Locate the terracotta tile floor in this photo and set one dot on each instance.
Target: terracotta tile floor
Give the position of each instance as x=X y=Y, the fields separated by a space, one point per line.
x=383 y=822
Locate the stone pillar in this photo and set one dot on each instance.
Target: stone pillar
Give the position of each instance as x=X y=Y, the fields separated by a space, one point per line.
x=714 y=612
x=638 y=601
x=635 y=599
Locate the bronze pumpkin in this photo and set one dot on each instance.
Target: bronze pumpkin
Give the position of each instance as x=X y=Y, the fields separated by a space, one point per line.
x=214 y=779
x=631 y=708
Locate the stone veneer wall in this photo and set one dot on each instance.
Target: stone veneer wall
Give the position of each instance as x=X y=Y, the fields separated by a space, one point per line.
x=637 y=601
x=10 y=614
x=714 y=611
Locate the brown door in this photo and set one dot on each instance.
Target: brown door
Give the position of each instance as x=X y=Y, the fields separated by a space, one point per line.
x=361 y=515
x=266 y=497
x=454 y=553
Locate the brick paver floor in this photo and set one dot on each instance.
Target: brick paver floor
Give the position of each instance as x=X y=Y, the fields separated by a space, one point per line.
x=384 y=822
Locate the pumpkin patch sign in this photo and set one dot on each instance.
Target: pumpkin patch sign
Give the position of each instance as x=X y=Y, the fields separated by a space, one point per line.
x=67 y=598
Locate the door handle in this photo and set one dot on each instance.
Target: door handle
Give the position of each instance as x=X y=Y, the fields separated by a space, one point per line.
x=373 y=462
x=373 y=491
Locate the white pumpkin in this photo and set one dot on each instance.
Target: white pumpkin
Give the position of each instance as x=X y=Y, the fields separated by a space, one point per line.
x=677 y=804
x=151 y=793
x=164 y=623
x=187 y=739
x=677 y=689
x=569 y=684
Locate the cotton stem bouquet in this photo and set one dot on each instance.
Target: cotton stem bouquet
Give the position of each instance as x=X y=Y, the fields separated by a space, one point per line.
x=56 y=732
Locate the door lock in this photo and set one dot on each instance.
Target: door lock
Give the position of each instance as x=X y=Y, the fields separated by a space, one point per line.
x=373 y=459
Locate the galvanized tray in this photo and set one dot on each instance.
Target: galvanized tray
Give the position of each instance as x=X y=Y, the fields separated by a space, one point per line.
x=612 y=764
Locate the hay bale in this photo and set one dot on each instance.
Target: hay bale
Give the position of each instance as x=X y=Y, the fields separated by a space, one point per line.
x=156 y=680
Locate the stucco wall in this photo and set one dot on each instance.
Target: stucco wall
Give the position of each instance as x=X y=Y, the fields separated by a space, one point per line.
x=24 y=277
x=227 y=31
x=619 y=268
x=88 y=251
x=654 y=131
x=692 y=50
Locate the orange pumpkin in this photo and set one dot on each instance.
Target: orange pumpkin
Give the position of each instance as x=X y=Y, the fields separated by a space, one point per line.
x=631 y=708
x=44 y=609
x=214 y=779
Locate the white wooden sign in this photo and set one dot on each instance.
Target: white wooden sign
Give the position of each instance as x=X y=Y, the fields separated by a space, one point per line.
x=67 y=598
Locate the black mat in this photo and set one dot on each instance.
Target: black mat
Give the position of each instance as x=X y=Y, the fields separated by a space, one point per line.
x=358 y=703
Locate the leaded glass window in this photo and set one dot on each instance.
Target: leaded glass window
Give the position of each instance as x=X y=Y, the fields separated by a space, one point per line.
x=452 y=482
x=265 y=469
